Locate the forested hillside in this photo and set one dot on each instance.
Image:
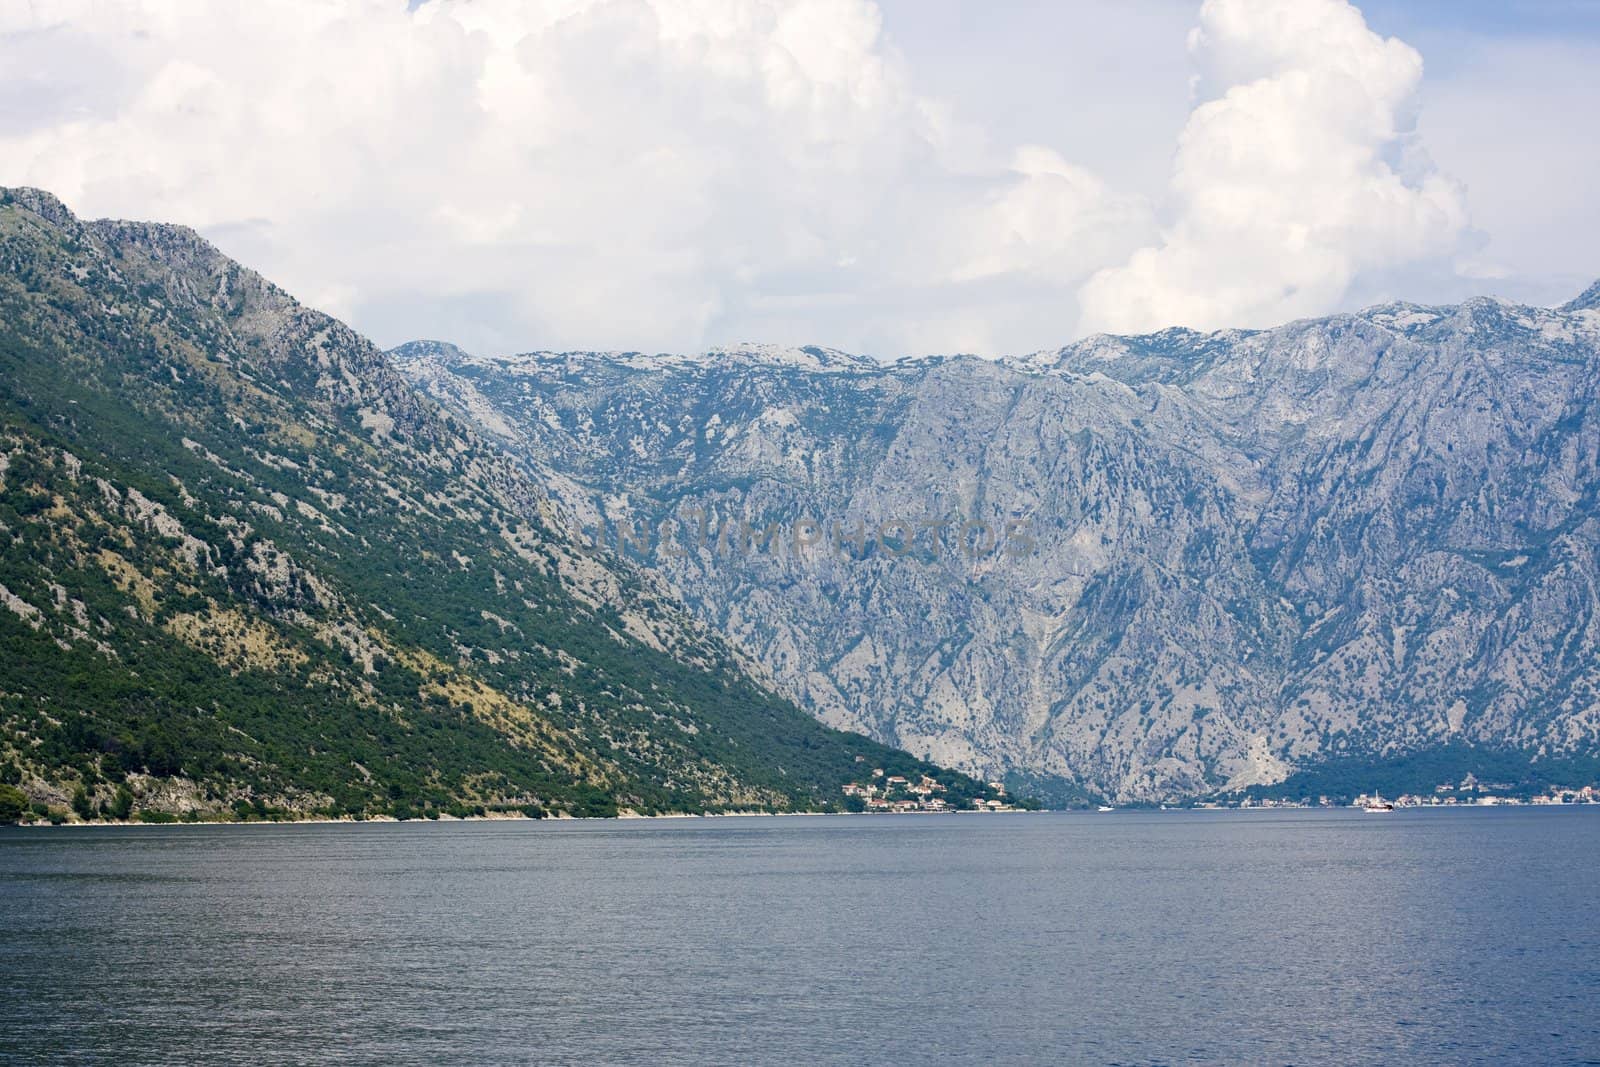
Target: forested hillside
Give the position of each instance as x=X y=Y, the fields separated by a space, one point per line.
x=246 y=570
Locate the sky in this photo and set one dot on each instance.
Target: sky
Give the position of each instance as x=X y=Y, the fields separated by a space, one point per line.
x=893 y=177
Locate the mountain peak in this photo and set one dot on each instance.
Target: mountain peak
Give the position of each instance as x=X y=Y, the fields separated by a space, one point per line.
x=420 y=349
x=46 y=205
x=808 y=357
x=1588 y=300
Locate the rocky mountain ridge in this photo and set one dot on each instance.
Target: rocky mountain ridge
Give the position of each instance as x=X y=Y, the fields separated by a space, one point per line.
x=1247 y=551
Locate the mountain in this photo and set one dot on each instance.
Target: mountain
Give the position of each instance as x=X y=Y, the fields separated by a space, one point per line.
x=247 y=567
x=1170 y=564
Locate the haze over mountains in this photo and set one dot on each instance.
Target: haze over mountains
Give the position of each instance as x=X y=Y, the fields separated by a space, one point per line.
x=246 y=567
x=1345 y=539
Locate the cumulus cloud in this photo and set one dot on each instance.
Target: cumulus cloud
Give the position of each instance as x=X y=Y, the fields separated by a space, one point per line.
x=667 y=174
x=1300 y=171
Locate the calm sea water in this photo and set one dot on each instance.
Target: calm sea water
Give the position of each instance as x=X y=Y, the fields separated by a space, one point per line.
x=1294 y=937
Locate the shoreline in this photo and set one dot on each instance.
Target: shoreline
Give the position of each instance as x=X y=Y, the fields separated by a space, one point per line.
x=636 y=817
x=626 y=816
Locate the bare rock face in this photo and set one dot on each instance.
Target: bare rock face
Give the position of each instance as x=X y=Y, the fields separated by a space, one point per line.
x=1152 y=566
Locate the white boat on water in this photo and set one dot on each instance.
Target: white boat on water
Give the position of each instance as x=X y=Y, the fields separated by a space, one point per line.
x=1377 y=805
x=1105 y=807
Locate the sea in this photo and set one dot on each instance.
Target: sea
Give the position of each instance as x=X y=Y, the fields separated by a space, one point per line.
x=1269 y=937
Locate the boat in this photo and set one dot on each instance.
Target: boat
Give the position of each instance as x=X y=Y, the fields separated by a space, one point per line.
x=1105 y=807
x=1377 y=805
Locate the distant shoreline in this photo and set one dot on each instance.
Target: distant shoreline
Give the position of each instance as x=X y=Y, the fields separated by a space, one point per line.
x=630 y=817
x=498 y=817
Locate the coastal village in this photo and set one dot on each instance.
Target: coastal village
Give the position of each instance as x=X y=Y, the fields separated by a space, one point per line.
x=1469 y=792
x=1479 y=794
x=897 y=795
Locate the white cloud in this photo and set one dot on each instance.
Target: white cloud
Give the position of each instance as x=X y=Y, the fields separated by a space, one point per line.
x=667 y=174
x=1299 y=171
